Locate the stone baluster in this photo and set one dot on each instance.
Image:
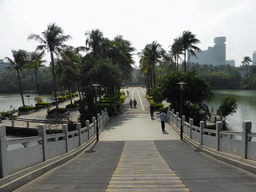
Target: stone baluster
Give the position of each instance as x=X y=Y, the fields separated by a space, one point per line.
x=247 y=127
x=218 y=129
x=87 y=122
x=65 y=131
x=173 y=112
x=191 y=123
x=42 y=133
x=3 y=152
x=202 y=126
x=78 y=128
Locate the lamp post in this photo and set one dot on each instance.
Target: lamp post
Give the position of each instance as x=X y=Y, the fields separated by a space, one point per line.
x=97 y=129
x=28 y=98
x=181 y=123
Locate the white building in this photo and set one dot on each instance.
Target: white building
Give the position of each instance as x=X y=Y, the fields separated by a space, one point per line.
x=3 y=65
x=215 y=55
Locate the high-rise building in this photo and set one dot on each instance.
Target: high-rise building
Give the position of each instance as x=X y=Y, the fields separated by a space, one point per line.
x=254 y=58
x=215 y=55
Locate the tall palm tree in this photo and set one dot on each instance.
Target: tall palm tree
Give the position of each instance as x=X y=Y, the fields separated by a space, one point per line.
x=94 y=42
x=176 y=50
x=187 y=42
x=52 y=40
x=35 y=62
x=246 y=62
x=18 y=63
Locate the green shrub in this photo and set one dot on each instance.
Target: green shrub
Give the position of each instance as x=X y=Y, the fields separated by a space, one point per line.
x=163 y=109
x=26 y=108
x=38 y=99
x=72 y=106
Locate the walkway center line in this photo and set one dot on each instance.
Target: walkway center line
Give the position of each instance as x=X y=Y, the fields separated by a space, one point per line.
x=141 y=101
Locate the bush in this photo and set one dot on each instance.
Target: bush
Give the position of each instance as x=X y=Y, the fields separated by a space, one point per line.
x=72 y=106
x=163 y=109
x=26 y=108
x=38 y=99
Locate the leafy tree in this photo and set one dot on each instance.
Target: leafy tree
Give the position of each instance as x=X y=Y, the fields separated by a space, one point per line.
x=18 y=63
x=35 y=62
x=53 y=41
x=228 y=106
x=196 y=91
x=176 y=50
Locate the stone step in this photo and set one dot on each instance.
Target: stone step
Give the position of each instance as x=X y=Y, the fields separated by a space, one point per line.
x=142 y=168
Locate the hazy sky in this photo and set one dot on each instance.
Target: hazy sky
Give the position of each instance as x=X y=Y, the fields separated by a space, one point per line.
x=139 y=21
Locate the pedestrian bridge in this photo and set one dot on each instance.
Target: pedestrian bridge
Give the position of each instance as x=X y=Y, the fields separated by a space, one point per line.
x=133 y=154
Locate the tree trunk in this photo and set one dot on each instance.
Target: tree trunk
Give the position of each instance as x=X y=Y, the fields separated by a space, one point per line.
x=54 y=81
x=21 y=93
x=185 y=59
x=37 y=86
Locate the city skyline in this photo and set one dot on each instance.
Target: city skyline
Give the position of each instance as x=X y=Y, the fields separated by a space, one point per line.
x=140 y=22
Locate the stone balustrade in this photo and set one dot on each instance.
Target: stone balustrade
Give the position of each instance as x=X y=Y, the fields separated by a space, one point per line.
x=242 y=144
x=19 y=153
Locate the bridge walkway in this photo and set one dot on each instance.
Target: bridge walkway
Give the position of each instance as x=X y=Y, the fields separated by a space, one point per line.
x=133 y=154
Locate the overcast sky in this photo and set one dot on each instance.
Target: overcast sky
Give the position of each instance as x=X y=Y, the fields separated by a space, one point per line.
x=139 y=21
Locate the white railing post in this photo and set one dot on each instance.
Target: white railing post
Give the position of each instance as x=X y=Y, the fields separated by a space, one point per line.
x=191 y=123
x=168 y=114
x=173 y=113
x=12 y=123
x=3 y=152
x=65 y=130
x=78 y=128
x=177 y=117
x=202 y=125
x=27 y=124
x=42 y=133
x=218 y=128
x=87 y=122
x=247 y=127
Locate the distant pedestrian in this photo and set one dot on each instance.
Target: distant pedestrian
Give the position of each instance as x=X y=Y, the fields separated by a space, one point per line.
x=134 y=103
x=152 y=108
x=131 y=102
x=127 y=92
x=163 y=118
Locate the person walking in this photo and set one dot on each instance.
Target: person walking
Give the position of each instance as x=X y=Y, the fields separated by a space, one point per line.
x=131 y=102
x=134 y=103
x=152 y=111
x=163 y=118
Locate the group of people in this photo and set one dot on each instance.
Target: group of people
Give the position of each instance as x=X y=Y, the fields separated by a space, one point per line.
x=134 y=102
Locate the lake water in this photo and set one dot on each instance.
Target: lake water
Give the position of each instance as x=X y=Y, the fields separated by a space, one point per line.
x=13 y=101
x=246 y=107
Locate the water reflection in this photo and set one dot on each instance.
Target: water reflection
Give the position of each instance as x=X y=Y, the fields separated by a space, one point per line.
x=246 y=107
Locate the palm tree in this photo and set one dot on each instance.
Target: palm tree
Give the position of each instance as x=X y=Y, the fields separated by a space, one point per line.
x=246 y=62
x=187 y=43
x=35 y=62
x=176 y=50
x=94 y=42
x=18 y=63
x=52 y=41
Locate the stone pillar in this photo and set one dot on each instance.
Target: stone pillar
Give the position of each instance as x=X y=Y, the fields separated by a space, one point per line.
x=191 y=123
x=65 y=131
x=87 y=122
x=3 y=152
x=172 y=115
x=12 y=123
x=247 y=127
x=27 y=124
x=78 y=128
x=42 y=133
x=202 y=126
x=218 y=129
x=177 y=117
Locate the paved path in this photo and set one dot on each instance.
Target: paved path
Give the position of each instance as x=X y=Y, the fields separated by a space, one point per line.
x=41 y=115
x=135 y=155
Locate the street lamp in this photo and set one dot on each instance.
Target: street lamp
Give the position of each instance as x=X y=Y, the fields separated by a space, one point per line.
x=181 y=125
x=28 y=98
x=97 y=129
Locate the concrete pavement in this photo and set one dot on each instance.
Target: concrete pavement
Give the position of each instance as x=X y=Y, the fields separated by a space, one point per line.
x=133 y=154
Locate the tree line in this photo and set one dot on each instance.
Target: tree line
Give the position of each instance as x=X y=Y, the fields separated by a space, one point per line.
x=106 y=62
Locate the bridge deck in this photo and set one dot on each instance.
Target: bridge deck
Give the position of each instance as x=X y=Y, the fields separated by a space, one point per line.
x=133 y=154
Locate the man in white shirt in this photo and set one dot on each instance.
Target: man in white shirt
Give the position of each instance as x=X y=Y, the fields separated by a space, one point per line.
x=163 y=118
